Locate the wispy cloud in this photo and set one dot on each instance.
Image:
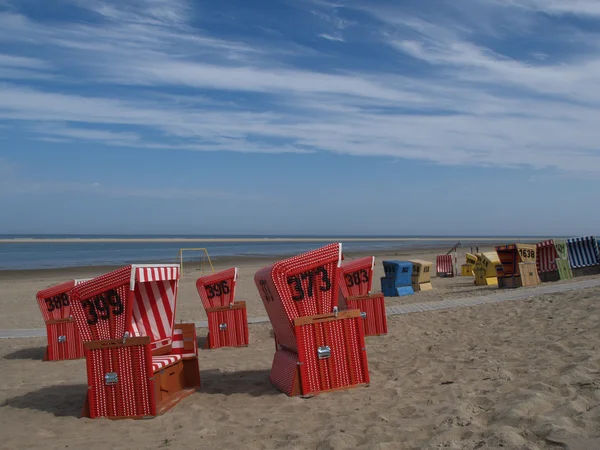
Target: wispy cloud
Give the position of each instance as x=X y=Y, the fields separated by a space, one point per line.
x=331 y=37
x=447 y=86
x=574 y=7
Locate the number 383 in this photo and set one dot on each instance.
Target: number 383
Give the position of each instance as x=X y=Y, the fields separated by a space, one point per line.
x=357 y=278
x=103 y=306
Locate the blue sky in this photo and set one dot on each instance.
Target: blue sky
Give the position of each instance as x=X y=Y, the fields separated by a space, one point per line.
x=300 y=116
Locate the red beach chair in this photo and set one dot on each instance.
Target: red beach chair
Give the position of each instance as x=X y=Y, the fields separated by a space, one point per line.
x=444 y=266
x=64 y=341
x=318 y=347
x=356 y=281
x=227 y=319
x=126 y=319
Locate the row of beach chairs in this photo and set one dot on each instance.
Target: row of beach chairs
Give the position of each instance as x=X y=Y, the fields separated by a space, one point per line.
x=140 y=363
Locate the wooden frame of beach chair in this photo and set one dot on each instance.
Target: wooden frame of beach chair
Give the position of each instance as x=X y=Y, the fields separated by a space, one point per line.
x=318 y=348
x=444 y=267
x=517 y=266
x=356 y=281
x=64 y=341
x=227 y=319
x=126 y=318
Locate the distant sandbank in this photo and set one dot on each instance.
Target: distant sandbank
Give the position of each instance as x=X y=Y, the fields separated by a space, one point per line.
x=270 y=240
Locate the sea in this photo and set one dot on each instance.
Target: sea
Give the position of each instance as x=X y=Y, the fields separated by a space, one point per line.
x=42 y=254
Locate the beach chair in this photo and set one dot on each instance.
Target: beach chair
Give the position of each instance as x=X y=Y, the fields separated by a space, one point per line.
x=517 y=266
x=135 y=367
x=64 y=341
x=444 y=266
x=318 y=347
x=584 y=257
x=397 y=280
x=227 y=319
x=421 y=275
x=485 y=269
x=552 y=260
x=356 y=280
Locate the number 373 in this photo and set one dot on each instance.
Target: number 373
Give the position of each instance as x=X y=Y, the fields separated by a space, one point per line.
x=311 y=275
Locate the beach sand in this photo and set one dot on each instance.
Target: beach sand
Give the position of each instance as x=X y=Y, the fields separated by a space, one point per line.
x=518 y=375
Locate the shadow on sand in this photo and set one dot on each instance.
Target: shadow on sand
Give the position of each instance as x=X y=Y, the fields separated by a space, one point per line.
x=36 y=353
x=62 y=400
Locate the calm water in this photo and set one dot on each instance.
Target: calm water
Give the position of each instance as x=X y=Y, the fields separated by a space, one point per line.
x=40 y=255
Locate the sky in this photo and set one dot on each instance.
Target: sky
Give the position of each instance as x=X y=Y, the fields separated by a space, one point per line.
x=463 y=117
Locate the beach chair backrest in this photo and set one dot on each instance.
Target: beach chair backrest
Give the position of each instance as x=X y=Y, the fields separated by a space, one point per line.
x=546 y=256
x=507 y=254
x=560 y=246
x=398 y=271
x=443 y=264
x=421 y=270
x=356 y=277
x=583 y=252
x=218 y=289
x=304 y=285
x=138 y=300
x=471 y=259
x=54 y=302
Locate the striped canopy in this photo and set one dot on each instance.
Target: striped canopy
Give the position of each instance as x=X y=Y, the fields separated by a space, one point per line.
x=137 y=299
x=583 y=252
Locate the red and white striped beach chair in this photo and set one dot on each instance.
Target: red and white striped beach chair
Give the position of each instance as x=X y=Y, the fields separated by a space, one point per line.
x=227 y=319
x=64 y=341
x=444 y=266
x=356 y=281
x=126 y=319
x=318 y=347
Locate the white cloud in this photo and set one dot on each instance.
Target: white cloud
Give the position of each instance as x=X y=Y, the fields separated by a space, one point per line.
x=468 y=104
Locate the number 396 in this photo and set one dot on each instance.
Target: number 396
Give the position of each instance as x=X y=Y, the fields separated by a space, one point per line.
x=217 y=289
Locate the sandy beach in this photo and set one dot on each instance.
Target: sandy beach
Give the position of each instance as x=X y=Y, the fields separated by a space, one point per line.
x=519 y=374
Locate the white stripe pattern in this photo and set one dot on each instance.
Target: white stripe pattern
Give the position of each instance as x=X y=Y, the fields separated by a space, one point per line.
x=160 y=362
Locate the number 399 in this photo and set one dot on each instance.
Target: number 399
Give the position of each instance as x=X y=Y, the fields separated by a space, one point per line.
x=99 y=307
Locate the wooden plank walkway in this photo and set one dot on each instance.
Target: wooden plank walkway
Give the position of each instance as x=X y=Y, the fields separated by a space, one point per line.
x=496 y=297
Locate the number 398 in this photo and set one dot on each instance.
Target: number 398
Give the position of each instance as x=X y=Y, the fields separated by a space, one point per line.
x=57 y=302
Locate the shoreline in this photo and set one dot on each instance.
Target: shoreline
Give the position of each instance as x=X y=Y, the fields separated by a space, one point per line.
x=268 y=240
x=220 y=262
